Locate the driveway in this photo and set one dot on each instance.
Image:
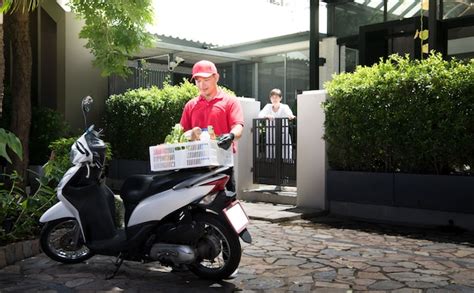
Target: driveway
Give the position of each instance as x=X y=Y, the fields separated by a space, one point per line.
x=324 y=254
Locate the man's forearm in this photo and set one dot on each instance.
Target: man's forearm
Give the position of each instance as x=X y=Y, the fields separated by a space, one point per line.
x=237 y=131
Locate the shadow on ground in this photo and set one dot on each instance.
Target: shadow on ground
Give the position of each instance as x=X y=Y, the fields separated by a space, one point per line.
x=448 y=234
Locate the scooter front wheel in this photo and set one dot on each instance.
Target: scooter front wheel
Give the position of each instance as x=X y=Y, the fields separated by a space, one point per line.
x=62 y=241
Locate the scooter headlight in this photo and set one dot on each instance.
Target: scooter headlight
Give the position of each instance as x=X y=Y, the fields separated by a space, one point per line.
x=72 y=154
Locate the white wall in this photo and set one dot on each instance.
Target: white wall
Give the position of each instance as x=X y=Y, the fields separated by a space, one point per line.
x=311 y=150
x=82 y=78
x=328 y=49
x=76 y=76
x=243 y=160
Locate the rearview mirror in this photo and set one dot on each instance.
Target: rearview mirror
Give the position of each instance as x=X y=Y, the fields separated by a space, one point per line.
x=86 y=107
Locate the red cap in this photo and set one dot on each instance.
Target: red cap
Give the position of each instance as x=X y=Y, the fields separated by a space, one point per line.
x=204 y=68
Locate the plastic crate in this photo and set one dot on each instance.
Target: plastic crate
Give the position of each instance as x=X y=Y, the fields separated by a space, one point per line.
x=189 y=155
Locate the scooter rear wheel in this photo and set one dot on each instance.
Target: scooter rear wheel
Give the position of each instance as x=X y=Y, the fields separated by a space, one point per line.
x=62 y=241
x=220 y=249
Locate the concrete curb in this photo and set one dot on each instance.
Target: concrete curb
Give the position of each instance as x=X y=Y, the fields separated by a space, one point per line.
x=13 y=252
x=276 y=213
x=281 y=219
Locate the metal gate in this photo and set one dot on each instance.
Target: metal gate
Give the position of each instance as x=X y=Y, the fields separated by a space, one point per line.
x=274 y=151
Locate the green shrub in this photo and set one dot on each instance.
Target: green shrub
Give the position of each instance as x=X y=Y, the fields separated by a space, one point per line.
x=140 y=118
x=47 y=126
x=59 y=162
x=402 y=115
x=19 y=214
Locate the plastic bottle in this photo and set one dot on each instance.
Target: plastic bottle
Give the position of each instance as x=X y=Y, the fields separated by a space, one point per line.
x=212 y=134
x=205 y=135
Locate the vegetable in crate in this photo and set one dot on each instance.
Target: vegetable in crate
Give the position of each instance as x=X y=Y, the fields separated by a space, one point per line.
x=176 y=135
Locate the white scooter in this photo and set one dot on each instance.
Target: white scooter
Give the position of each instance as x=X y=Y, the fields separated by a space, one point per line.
x=181 y=218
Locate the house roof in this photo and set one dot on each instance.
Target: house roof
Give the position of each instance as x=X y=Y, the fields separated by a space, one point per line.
x=190 y=51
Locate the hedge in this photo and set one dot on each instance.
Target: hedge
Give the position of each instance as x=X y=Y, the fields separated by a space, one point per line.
x=402 y=115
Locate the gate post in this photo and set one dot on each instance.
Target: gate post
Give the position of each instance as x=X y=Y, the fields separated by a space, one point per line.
x=311 y=149
x=243 y=159
x=278 y=147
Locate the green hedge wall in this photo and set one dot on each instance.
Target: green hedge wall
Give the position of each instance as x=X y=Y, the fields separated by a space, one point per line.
x=140 y=118
x=402 y=115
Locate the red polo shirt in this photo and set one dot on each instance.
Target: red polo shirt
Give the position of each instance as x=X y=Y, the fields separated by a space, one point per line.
x=222 y=113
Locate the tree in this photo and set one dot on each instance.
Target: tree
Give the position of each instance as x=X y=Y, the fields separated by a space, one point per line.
x=5 y=6
x=114 y=29
x=17 y=21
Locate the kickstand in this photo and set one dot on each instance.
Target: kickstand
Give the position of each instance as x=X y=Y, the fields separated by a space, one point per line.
x=118 y=263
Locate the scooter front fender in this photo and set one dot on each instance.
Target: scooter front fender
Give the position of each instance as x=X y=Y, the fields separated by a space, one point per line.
x=55 y=212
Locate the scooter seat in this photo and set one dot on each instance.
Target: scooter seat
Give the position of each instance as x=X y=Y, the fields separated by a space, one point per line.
x=138 y=187
x=135 y=188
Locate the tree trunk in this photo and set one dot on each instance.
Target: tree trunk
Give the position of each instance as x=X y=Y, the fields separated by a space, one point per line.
x=21 y=84
x=2 y=68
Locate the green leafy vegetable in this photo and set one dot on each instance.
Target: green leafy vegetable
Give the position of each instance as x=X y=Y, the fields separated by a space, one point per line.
x=176 y=135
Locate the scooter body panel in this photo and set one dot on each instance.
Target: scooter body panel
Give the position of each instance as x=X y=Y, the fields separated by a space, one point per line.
x=158 y=206
x=55 y=212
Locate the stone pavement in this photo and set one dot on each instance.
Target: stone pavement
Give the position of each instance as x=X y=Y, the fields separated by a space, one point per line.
x=325 y=254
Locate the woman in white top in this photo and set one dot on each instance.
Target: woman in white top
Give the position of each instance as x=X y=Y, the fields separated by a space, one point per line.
x=277 y=110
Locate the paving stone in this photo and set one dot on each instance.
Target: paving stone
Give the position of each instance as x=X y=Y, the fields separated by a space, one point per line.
x=367 y=275
x=430 y=272
x=331 y=285
x=289 y=262
x=301 y=280
x=365 y=282
x=386 y=285
x=265 y=283
x=421 y=285
x=407 y=290
x=394 y=269
x=462 y=253
x=325 y=276
x=405 y=276
x=300 y=287
x=409 y=265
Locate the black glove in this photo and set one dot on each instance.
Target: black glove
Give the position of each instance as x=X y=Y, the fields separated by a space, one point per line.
x=225 y=141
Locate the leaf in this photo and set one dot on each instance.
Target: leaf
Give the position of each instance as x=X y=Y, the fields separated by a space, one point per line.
x=424 y=34
x=416 y=34
x=3 y=152
x=425 y=48
x=425 y=4
x=10 y=140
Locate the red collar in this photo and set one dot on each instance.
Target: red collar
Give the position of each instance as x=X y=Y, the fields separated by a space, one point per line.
x=218 y=97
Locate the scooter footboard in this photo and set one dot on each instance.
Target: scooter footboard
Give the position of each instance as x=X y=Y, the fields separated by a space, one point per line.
x=55 y=212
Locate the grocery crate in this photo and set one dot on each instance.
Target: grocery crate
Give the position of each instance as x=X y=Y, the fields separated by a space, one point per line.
x=189 y=155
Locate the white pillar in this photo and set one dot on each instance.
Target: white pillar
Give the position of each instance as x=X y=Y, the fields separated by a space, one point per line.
x=243 y=160
x=311 y=151
x=328 y=49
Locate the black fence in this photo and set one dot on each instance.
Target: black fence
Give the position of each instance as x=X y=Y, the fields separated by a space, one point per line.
x=140 y=78
x=274 y=151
